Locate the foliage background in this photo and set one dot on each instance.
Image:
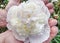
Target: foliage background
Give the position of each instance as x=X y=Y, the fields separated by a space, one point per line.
x=56 y=15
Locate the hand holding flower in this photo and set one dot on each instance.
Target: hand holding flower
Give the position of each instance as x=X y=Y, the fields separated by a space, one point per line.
x=53 y=33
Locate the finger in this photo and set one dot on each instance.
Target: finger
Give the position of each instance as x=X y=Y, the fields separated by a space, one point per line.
x=11 y=3
x=54 y=31
x=3 y=18
x=52 y=22
x=9 y=38
x=3 y=24
x=51 y=11
x=50 y=5
x=45 y=1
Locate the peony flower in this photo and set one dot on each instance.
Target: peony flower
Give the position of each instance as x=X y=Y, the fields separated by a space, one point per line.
x=29 y=21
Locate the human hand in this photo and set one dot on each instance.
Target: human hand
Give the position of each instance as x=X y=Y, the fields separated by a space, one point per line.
x=52 y=22
x=3 y=12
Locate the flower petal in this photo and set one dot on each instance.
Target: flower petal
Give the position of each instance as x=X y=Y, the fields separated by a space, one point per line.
x=42 y=6
x=44 y=35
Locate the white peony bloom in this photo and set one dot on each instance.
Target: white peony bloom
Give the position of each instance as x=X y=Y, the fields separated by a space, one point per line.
x=29 y=21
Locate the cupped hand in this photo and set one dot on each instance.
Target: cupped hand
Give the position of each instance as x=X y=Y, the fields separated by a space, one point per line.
x=7 y=37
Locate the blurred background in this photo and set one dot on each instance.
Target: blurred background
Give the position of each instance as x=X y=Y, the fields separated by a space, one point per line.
x=56 y=15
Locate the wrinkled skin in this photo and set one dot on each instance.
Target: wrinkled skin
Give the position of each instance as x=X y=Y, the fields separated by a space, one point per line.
x=7 y=37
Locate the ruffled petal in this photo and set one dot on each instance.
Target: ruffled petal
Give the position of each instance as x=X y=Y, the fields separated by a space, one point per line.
x=44 y=35
x=42 y=6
